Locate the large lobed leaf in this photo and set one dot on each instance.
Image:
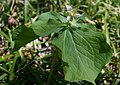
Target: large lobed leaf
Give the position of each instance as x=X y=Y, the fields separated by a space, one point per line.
x=23 y=35
x=85 y=53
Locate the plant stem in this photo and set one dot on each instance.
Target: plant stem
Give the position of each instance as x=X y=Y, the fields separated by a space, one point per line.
x=51 y=69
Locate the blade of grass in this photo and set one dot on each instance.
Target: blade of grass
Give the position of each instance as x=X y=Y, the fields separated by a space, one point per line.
x=4 y=69
x=105 y=30
x=114 y=49
x=118 y=33
x=10 y=37
x=6 y=36
x=25 y=10
x=4 y=58
x=12 y=67
x=3 y=76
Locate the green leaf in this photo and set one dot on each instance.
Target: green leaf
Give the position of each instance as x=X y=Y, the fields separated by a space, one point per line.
x=84 y=54
x=83 y=26
x=52 y=15
x=22 y=35
x=44 y=28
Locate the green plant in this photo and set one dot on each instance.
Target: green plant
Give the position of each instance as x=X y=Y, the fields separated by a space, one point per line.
x=82 y=49
x=33 y=63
